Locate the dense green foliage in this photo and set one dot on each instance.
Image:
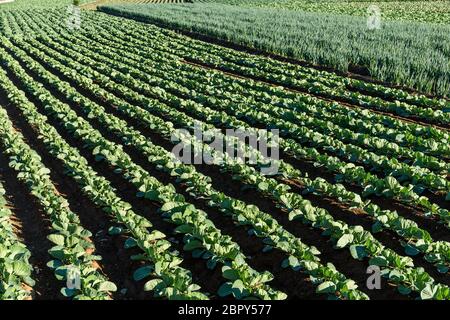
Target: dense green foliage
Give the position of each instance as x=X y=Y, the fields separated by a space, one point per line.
x=331 y=40
x=426 y=11
x=28 y=4
x=15 y=268
x=106 y=103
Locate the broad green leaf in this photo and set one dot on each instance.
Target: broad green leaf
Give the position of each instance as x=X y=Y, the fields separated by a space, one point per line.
x=57 y=239
x=21 y=268
x=130 y=243
x=428 y=292
x=230 y=274
x=66 y=292
x=358 y=252
x=344 y=240
x=225 y=289
x=326 y=287
x=378 y=261
x=142 y=273
x=411 y=251
x=151 y=284
x=107 y=286
x=114 y=231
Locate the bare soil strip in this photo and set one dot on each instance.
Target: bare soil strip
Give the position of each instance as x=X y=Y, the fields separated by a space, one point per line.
x=33 y=228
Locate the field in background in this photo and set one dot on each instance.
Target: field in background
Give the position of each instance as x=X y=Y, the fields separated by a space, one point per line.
x=94 y=4
x=91 y=107
x=341 y=42
x=437 y=11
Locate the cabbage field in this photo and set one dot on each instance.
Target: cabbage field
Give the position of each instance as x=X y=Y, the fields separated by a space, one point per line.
x=94 y=205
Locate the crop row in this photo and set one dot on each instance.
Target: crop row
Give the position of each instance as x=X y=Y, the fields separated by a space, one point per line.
x=267 y=30
x=403 y=191
x=261 y=222
x=172 y=280
x=15 y=268
x=96 y=90
x=190 y=220
x=73 y=248
x=318 y=184
x=423 y=11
